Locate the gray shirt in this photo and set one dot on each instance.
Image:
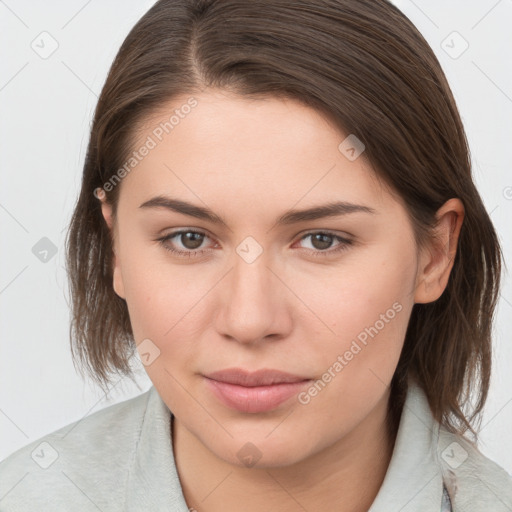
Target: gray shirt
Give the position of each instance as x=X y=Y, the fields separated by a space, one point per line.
x=121 y=459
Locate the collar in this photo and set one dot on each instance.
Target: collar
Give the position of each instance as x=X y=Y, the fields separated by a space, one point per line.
x=153 y=482
x=413 y=481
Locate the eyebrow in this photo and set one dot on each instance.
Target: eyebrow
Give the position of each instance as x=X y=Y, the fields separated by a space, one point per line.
x=332 y=209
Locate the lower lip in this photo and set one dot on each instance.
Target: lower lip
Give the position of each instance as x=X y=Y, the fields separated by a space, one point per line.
x=257 y=398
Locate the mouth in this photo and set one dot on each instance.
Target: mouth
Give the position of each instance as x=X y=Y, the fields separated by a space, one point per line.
x=254 y=392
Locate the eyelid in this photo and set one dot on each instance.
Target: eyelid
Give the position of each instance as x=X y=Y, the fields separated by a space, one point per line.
x=330 y=232
x=181 y=231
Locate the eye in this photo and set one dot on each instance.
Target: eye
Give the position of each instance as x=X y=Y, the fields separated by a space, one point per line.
x=321 y=243
x=187 y=241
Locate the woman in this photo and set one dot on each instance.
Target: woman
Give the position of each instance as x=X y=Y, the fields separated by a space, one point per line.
x=277 y=212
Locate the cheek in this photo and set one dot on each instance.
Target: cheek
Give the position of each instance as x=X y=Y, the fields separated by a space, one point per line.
x=167 y=310
x=168 y=304
x=162 y=301
x=367 y=303
x=157 y=291
x=365 y=286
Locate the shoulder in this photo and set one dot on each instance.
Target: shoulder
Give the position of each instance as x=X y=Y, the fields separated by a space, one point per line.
x=474 y=482
x=68 y=466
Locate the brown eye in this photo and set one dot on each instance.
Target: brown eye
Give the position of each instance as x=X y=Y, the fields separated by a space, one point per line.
x=191 y=239
x=324 y=243
x=321 y=241
x=186 y=242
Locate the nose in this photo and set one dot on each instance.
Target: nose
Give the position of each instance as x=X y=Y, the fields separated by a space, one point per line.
x=253 y=303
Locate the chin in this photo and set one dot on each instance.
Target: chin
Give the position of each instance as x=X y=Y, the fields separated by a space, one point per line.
x=260 y=454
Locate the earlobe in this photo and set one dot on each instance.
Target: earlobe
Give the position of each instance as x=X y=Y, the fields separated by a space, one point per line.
x=106 y=210
x=117 y=281
x=436 y=260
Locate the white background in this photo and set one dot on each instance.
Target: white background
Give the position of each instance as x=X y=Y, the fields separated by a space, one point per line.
x=46 y=109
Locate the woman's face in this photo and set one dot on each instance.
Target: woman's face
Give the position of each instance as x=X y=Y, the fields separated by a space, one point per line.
x=324 y=297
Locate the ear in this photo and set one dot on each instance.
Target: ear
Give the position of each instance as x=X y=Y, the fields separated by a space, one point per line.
x=436 y=259
x=106 y=210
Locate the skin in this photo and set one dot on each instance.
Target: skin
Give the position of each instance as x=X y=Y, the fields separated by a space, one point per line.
x=249 y=161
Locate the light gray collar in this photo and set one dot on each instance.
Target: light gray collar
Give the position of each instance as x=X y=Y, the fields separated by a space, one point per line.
x=413 y=482
x=153 y=482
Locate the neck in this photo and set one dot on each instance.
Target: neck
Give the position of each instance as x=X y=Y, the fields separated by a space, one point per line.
x=346 y=476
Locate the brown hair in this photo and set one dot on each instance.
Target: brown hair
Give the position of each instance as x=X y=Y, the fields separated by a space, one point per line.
x=363 y=64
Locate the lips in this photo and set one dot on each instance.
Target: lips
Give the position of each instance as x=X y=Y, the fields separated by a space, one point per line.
x=254 y=392
x=263 y=377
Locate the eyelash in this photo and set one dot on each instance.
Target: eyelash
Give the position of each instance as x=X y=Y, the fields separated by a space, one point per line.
x=344 y=243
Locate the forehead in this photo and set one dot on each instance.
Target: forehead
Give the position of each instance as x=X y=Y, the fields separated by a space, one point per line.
x=258 y=151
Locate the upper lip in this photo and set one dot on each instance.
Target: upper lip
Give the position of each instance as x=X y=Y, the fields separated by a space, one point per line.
x=263 y=377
